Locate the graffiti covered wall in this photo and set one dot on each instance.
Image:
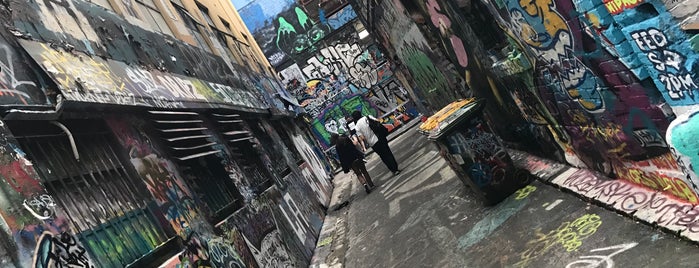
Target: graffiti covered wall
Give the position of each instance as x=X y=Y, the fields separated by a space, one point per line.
x=122 y=65
x=597 y=84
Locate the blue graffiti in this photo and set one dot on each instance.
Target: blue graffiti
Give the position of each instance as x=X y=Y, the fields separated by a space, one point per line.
x=342 y=17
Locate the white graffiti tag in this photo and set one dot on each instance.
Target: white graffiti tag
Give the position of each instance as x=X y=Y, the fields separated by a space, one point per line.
x=8 y=82
x=41 y=207
x=594 y=261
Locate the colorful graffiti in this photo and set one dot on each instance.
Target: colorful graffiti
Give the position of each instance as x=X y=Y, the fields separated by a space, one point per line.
x=287 y=30
x=568 y=236
x=107 y=81
x=539 y=25
x=669 y=69
x=684 y=147
x=159 y=175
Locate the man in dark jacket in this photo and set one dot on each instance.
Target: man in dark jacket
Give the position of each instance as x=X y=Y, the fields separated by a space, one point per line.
x=351 y=158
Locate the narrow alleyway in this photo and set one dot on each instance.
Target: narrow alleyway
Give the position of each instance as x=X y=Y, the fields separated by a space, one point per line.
x=425 y=217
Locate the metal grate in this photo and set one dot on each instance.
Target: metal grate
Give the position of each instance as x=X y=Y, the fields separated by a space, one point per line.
x=109 y=212
x=243 y=147
x=191 y=142
x=184 y=133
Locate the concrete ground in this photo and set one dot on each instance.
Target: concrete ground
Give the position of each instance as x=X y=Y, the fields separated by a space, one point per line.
x=426 y=217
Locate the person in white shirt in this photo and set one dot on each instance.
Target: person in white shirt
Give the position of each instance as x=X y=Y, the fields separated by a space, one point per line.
x=353 y=134
x=379 y=144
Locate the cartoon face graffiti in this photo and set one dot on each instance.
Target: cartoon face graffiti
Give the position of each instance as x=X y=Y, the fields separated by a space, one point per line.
x=539 y=25
x=294 y=40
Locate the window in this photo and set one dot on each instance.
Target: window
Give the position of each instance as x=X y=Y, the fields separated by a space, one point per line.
x=153 y=16
x=106 y=205
x=103 y=3
x=193 y=27
x=226 y=25
x=205 y=12
x=224 y=45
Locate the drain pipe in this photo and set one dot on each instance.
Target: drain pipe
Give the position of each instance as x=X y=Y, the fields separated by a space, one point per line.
x=70 y=138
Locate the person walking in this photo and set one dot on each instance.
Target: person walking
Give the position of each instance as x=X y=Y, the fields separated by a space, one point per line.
x=351 y=158
x=377 y=142
x=353 y=134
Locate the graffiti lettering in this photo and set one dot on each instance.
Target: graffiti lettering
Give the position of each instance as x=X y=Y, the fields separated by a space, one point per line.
x=652 y=206
x=594 y=261
x=79 y=73
x=676 y=79
x=649 y=138
x=223 y=254
x=343 y=59
x=617 y=6
x=62 y=251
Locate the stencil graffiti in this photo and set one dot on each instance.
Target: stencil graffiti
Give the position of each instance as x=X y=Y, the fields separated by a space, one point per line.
x=672 y=75
x=42 y=206
x=61 y=251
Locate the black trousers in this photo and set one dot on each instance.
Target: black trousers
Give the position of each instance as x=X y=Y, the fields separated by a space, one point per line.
x=384 y=152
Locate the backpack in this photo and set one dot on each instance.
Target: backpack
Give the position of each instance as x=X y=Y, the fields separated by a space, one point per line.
x=378 y=128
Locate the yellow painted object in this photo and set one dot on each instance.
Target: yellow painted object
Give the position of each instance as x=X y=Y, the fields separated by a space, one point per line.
x=434 y=120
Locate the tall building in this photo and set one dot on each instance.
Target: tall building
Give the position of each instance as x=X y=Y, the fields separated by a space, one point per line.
x=148 y=133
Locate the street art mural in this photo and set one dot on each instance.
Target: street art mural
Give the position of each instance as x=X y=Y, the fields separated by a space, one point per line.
x=622 y=132
x=344 y=77
x=598 y=80
x=392 y=107
x=543 y=29
x=433 y=82
x=37 y=227
x=160 y=176
x=285 y=31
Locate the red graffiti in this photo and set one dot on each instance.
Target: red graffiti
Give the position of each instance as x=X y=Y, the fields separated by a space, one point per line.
x=21 y=179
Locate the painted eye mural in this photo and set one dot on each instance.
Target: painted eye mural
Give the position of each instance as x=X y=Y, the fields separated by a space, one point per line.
x=300 y=34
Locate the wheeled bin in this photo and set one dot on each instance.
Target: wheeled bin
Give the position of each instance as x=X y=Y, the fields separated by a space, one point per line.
x=477 y=155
